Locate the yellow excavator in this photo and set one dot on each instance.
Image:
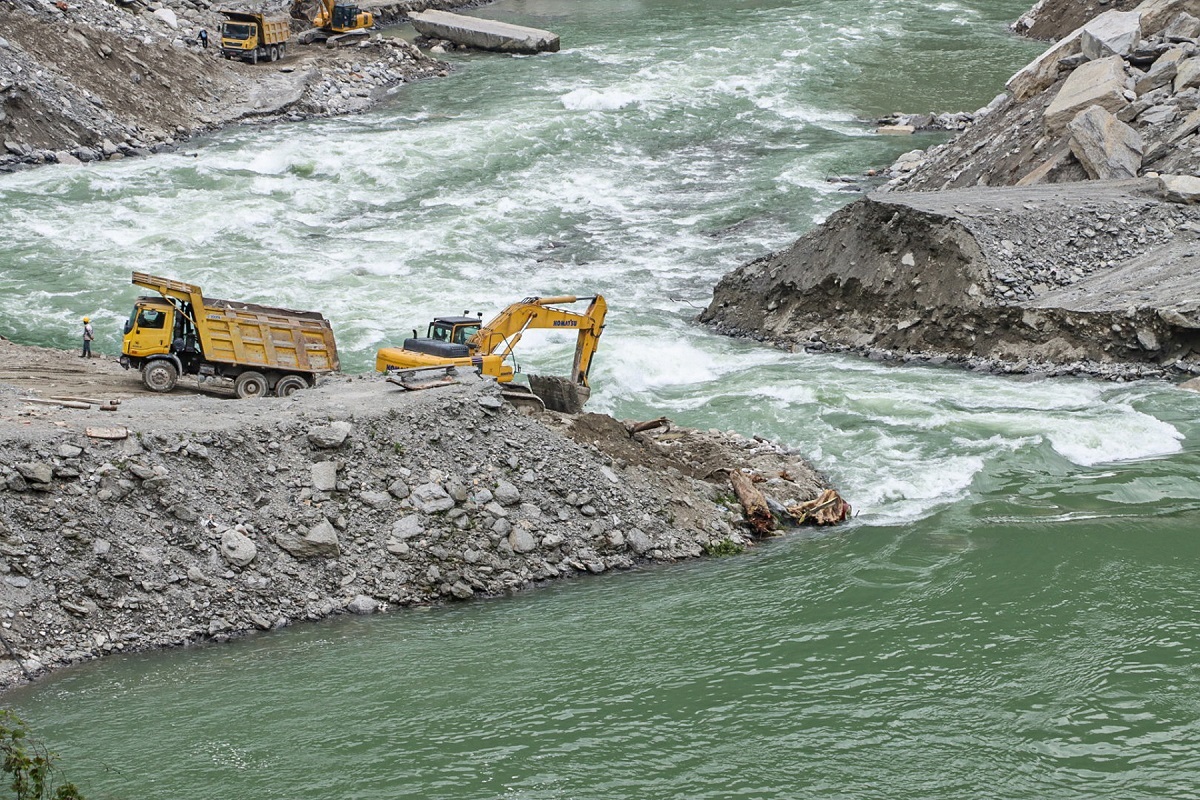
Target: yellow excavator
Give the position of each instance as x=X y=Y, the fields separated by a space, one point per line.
x=333 y=17
x=466 y=342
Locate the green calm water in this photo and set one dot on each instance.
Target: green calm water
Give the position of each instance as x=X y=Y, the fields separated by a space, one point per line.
x=1012 y=614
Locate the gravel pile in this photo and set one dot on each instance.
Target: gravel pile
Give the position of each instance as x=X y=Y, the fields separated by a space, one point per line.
x=216 y=517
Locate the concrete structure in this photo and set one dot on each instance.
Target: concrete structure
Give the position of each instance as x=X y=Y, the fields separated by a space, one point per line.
x=485 y=34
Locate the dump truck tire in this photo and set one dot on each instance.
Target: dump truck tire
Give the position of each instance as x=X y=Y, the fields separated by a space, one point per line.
x=290 y=384
x=160 y=376
x=250 y=384
x=274 y=53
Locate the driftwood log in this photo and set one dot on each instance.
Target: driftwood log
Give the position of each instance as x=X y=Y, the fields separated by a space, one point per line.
x=828 y=508
x=638 y=427
x=753 y=502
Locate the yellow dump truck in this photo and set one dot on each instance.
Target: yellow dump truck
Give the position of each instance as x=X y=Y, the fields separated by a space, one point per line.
x=260 y=348
x=250 y=36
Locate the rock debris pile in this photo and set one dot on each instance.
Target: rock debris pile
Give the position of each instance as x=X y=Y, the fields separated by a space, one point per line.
x=1057 y=233
x=91 y=79
x=186 y=519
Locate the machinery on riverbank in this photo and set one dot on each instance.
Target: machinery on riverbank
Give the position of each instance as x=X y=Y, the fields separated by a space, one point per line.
x=466 y=342
x=262 y=349
x=251 y=37
x=330 y=16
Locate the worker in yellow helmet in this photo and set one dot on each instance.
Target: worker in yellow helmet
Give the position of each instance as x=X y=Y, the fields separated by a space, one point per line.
x=88 y=336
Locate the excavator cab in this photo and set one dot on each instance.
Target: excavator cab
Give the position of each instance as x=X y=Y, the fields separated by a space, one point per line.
x=447 y=337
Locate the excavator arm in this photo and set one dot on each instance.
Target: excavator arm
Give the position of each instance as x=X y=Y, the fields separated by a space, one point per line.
x=502 y=334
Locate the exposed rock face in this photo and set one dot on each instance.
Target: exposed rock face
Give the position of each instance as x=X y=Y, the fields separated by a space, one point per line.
x=1020 y=279
x=204 y=523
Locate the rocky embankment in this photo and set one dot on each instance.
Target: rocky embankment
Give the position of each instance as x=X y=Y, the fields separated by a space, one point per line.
x=1055 y=233
x=191 y=517
x=92 y=79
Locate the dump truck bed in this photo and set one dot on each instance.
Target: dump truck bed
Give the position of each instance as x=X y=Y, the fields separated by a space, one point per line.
x=245 y=333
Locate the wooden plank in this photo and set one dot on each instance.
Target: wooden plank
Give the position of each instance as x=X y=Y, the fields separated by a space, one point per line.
x=107 y=433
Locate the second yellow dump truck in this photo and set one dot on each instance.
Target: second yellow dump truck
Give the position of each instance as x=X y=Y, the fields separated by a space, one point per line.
x=262 y=349
x=251 y=37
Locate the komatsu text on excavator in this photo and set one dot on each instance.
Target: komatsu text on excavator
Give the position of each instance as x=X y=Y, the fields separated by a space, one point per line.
x=466 y=342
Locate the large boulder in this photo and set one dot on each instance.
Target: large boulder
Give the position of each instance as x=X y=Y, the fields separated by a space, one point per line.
x=1041 y=73
x=321 y=541
x=1096 y=83
x=1113 y=33
x=1108 y=148
x=1157 y=14
x=1187 y=74
x=1180 y=188
x=1161 y=72
x=237 y=548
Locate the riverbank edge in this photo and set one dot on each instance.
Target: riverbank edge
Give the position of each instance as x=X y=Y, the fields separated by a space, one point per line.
x=189 y=518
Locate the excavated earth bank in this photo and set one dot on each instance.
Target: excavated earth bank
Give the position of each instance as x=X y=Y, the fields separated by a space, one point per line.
x=209 y=517
x=1081 y=260
x=1095 y=277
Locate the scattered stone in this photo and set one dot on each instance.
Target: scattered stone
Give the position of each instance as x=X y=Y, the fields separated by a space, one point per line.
x=237 y=548
x=330 y=436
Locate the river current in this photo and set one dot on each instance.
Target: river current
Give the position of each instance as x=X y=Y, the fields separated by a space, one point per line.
x=1013 y=612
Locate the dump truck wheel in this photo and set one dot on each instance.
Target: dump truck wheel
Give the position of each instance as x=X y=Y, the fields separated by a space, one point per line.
x=290 y=384
x=254 y=57
x=274 y=53
x=160 y=376
x=250 y=384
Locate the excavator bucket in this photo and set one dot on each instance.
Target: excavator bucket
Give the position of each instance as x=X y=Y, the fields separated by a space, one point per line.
x=559 y=394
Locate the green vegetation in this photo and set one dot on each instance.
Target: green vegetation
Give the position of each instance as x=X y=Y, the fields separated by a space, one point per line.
x=29 y=763
x=725 y=547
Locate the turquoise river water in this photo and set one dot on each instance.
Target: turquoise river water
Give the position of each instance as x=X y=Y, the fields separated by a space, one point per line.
x=1013 y=613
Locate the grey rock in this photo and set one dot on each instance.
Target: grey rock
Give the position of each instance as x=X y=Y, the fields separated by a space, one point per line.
x=361 y=604
x=1112 y=33
x=1187 y=75
x=36 y=472
x=237 y=548
x=1147 y=340
x=430 y=498
x=330 y=436
x=639 y=541
x=324 y=476
x=1099 y=83
x=376 y=499
x=101 y=547
x=321 y=541
x=1182 y=27
x=521 y=541
x=507 y=494
x=399 y=489
x=1180 y=188
x=461 y=590
x=1108 y=148
x=408 y=527
x=69 y=451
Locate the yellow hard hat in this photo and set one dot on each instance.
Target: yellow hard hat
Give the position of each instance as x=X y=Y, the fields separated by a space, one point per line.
x=87 y=319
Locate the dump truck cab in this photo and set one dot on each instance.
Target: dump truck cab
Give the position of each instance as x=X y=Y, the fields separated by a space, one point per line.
x=239 y=36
